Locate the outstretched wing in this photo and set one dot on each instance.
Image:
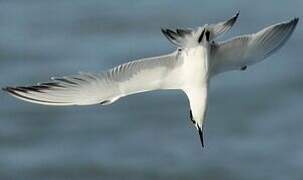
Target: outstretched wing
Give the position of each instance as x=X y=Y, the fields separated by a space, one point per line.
x=106 y=87
x=189 y=37
x=239 y=52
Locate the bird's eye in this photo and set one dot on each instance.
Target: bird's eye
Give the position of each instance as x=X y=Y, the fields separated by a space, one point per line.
x=179 y=49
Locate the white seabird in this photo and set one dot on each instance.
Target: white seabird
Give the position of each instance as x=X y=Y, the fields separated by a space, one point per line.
x=197 y=59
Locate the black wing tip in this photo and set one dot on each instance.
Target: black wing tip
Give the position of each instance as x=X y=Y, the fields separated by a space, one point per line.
x=11 y=89
x=7 y=89
x=166 y=32
x=233 y=19
x=163 y=30
x=171 y=36
x=293 y=22
x=14 y=90
x=296 y=20
x=237 y=14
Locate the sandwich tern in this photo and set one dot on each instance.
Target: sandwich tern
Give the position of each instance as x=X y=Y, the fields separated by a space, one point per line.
x=197 y=58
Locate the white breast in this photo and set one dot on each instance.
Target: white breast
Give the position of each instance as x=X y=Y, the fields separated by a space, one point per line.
x=195 y=67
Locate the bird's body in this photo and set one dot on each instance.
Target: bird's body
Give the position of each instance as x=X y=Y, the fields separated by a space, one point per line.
x=190 y=68
x=196 y=77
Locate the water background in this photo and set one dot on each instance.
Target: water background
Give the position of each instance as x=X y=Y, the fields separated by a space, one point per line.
x=254 y=126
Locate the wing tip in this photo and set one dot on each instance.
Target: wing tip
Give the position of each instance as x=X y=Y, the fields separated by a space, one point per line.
x=20 y=93
x=233 y=19
x=6 y=89
x=293 y=23
x=9 y=89
x=236 y=17
x=163 y=30
x=237 y=14
x=12 y=90
x=295 y=20
x=15 y=91
x=170 y=35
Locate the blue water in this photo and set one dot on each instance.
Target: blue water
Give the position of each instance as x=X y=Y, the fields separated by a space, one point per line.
x=254 y=126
